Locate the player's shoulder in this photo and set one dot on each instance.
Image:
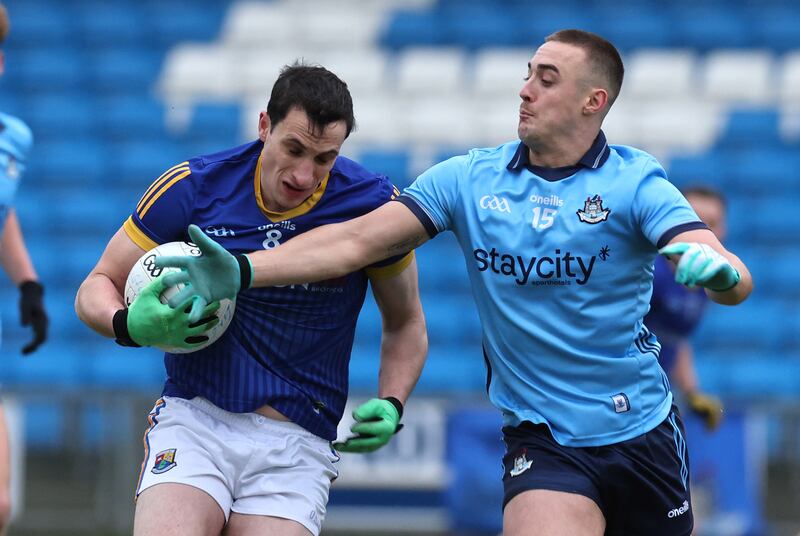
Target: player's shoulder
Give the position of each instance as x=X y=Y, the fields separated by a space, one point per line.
x=632 y=156
x=244 y=154
x=478 y=159
x=16 y=132
x=635 y=165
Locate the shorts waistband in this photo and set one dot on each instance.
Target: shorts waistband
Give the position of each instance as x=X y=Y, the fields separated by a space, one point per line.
x=251 y=422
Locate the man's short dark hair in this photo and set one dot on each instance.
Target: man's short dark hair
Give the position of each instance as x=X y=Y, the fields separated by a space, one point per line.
x=603 y=56
x=707 y=192
x=315 y=90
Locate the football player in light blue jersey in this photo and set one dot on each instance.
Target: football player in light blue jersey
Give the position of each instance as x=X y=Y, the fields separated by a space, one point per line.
x=559 y=232
x=240 y=440
x=15 y=145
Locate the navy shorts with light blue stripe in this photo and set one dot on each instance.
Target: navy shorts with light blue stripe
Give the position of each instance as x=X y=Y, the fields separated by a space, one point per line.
x=641 y=485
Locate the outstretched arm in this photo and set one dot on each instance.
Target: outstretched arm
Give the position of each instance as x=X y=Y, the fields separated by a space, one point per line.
x=326 y=252
x=703 y=261
x=334 y=250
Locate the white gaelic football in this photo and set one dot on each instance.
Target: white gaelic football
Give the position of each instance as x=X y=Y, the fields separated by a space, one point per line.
x=145 y=270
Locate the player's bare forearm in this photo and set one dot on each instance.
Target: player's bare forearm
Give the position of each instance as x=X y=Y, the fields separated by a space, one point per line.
x=97 y=301
x=332 y=251
x=404 y=341
x=13 y=253
x=100 y=295
x=743 y=288
x=403 y=354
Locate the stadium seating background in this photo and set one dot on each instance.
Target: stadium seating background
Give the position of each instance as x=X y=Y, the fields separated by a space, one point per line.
x=116 y=92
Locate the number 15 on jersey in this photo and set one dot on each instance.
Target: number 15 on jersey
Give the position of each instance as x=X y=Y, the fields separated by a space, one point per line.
x=543 y=217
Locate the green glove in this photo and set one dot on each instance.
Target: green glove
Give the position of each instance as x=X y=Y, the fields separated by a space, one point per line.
x=377 y=420
x=707 y=407
x=701 y=265
x=214 y=275
x=152 y=323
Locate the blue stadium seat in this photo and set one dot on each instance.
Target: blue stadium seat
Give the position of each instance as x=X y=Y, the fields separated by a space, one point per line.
x=412 y=28
x=101 y=24
x=9 y=102
x=708 y=27
x=76 y=161
x=114 y=367
x=55 y=363
x=534 y=27
x=61 y=115
x=453 y=368
x=451 y=319
x=442 y=267
x=364 y=364
x=392 y=163
x=93 y=213
x=632 y=27
x=480 y=26
x=130 y=70
x=710 y=168
x=141 y=161
x=370 y=323
x=39 y=23
x=216 y=123
x=748 y=128
x=766 y=171
x=173 y=21
x=752 y=328
x=776 y=26
x=764 y=377
x=43 y=70
x=132 y=117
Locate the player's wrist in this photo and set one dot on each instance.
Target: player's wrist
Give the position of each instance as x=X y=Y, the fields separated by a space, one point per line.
x=397 y=405
x=31 y=289
x=245 y=271
x=725 y=280
x=120 y=325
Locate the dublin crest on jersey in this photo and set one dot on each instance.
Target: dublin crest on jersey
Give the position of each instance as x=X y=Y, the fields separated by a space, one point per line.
x=593 y=211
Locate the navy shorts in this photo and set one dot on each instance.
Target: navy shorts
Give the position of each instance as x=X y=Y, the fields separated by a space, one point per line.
x=641 y=485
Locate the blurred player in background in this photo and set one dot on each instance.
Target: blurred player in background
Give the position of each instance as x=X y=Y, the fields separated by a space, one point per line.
x=675 y=312
x=240 y=439
x=15 y=144
x=559 y=232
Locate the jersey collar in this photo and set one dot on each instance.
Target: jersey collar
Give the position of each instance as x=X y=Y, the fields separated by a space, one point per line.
x=299 y=210
x=595 y=157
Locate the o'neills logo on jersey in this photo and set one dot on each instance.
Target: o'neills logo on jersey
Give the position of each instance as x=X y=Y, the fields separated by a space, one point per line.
x=560 y=269
x=552 y=200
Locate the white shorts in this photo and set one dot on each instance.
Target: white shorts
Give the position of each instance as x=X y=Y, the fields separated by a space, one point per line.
x=248 y=463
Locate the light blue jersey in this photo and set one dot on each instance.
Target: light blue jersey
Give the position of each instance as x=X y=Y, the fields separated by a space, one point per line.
x=561 y=266
x=15 y=144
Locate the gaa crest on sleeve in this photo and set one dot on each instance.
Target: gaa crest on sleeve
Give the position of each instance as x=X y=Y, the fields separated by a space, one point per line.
x=593 y=211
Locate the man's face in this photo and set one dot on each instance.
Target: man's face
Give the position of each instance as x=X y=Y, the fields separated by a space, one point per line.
x=711 y=211
x=554 y=93
x=295 y=159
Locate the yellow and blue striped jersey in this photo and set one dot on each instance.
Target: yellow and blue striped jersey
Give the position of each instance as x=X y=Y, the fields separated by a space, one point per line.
x=287 y=346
